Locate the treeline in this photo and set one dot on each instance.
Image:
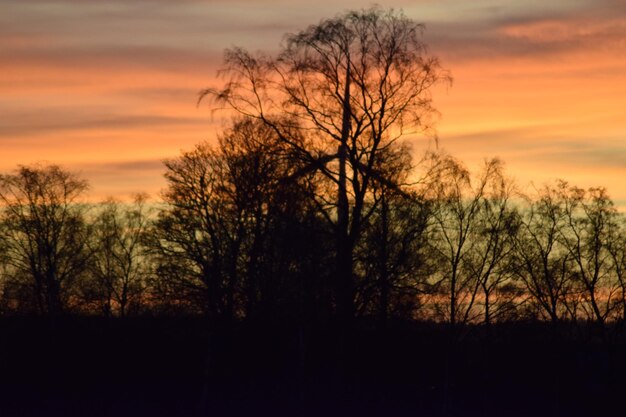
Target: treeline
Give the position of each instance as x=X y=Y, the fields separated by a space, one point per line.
x=241 y=234
x=311 y=206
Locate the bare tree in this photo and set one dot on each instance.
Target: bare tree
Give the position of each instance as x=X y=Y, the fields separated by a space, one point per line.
x=188 y=234
x=119 y=267
x=339 y=94
x=5 y=275
x=463 y=262
x=490 y=260
x=389 y=260
x=45 y=233
x=616 y=246
x=223 y=204
x=269 y=188
x=589 y=216
x=389 y=256
x=541 y=262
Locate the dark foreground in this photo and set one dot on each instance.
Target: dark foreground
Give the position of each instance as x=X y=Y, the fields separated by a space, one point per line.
x=175 y=367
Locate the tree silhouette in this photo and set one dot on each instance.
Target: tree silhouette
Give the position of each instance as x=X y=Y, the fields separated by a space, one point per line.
x=540 y=260
x=228 y=209
x=589 y=219
x=490 y=258
x=389 y=258
x=44 y=228
x=190 y=233
x=455 y=239
x=119 y=268
x=616 y=246
x=339 y=94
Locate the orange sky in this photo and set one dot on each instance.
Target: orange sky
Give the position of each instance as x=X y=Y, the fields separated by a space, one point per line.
x=109 y=88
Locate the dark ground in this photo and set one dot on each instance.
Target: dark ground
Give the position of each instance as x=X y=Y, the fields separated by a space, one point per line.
x=158 y=367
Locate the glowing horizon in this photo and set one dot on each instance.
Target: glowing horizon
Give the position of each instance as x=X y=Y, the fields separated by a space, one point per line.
x=109 y=89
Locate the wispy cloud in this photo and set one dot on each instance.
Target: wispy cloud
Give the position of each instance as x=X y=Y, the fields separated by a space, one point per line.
x=22 y=125
x=505 y=31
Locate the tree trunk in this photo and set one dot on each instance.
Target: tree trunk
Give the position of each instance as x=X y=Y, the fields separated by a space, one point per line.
x=345 y=291
x=383 y=262
x=487 y=312
x=453 y=300
x=53 y=297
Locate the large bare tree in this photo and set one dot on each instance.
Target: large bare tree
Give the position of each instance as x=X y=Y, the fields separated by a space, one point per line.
x=340 y=94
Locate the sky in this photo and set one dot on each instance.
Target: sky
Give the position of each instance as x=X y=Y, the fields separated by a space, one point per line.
x=109 y=88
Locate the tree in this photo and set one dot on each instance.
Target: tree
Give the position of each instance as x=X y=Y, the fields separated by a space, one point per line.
x=267 y=189
x=187 y=238
x=390 y=257
x=339 y=94
x=541 y=262
x=119 y=267
x=5 y=275
x=465 y=262
x=44 y=229
x=589 y=221
x=616 y=246
x=491 y=255
x=226 y=211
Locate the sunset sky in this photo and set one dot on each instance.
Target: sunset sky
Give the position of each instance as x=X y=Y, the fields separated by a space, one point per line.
x=109 y=88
